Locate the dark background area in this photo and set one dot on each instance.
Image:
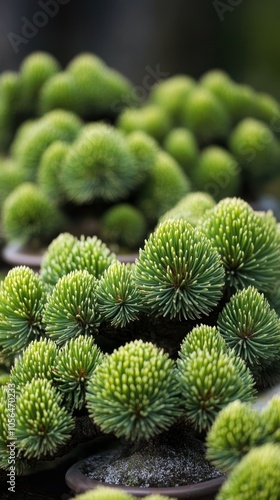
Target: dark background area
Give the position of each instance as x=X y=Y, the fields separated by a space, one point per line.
x=182 y=36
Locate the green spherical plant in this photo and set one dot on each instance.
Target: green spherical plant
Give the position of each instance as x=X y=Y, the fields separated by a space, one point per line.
x=10 y=177
x=165 y=185
x=22 y=299
x=256 y=476
x=205 y=115
x=270 y=417
x=118 y=299
x=210 y=378
x=182 y=145
x=29 y=215
x=36 y=361
x=217 y=172
x=151 y=119
x=254 y=145
x=109 y=493
x=42 y=423
x=247 y=243
x=171 y=94
x=191 y=207
x=71 y=309
x=251 y=328
x=68 y=253
x=124 y=225
x=60 y=92
x=75 y=363
x=202 y=337
x=144 y=149
x=48 y=174
x=178 y=273
x=98 y=166
x=134 y=392
x=237 y=429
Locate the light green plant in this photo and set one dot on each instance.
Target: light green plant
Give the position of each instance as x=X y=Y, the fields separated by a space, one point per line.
x=48 y=174
x=151 y=119
x=182 y=145
x=191 y=207
x=171 y=94
x=60 y=92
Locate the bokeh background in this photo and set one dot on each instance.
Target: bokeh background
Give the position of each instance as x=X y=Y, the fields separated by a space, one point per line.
x=182 y=36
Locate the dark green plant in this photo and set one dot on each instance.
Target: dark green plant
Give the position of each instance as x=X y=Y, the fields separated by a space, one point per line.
x=118 y=299
x=251 y=328
x=42 y=423
x=182 y=145
x=178 y=273
x=29 y=216
x=210 y=377
x=22 y=299
x=10 y=178
x=256 y=476
x=98 y=166
x=247 y=243
x=48 y=174
x=75 y=363
x=151 y=119
x=60 y=92
x=124 y=225
x=67 y=253
x=134 y=392
x=71 y=309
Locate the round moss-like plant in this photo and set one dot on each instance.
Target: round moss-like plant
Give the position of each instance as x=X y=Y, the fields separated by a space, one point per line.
x=35 y=70
x=251 y=328
x=10 y=91
x=42 y=423
x=151 y=119
x=205 y=115
x=124 y=225
x=191 y=207
x=75 y=363
x=71 y=309
x=118 y=299
x=247 y=243
x=270 y=417
x=237 y=428
x=29 y=215
x=98 y=166
x=210 y=378
x=217 y=172
x=36 y=361
x=182 y=145
x=109 y=493
x=22 y=299
x=67 y=253
x=134 y=392
x=60 y=92
x=144 y=149
x=48 y=174
x=10 y=177
x=178 y=272
x=254 y=145
x=202 y=337
x=256 y=476
x=171 y=94
x=165 y=185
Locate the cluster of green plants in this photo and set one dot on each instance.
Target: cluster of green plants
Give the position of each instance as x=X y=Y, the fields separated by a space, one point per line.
x=183 y=333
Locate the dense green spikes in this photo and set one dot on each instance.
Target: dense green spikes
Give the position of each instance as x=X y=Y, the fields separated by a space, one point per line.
x=251 y=328
x=150 y=118
x=134 y=392
x=205 y=115
x=217 y=173
x=22 y=299
x=99 y=166
x=191 y=208
x=29 y=215
x=256 y=476
x=202 y=337
x=165 y=185
x=181 y=144
x=144 y=150
x=76 y=362
x=254 y=146
x=247 y=244
x=209 y=381
x=42 y=423
x=36 y=361
x=178 y=272
x=48 y=175
x=171 y=94
x=237 y=428
x=71 y=309
x=67 y=253
x=118 y=299
x=124 y=225
x=60 y=92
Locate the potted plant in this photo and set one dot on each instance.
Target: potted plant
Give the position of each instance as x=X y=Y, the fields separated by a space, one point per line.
x=147 y=351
